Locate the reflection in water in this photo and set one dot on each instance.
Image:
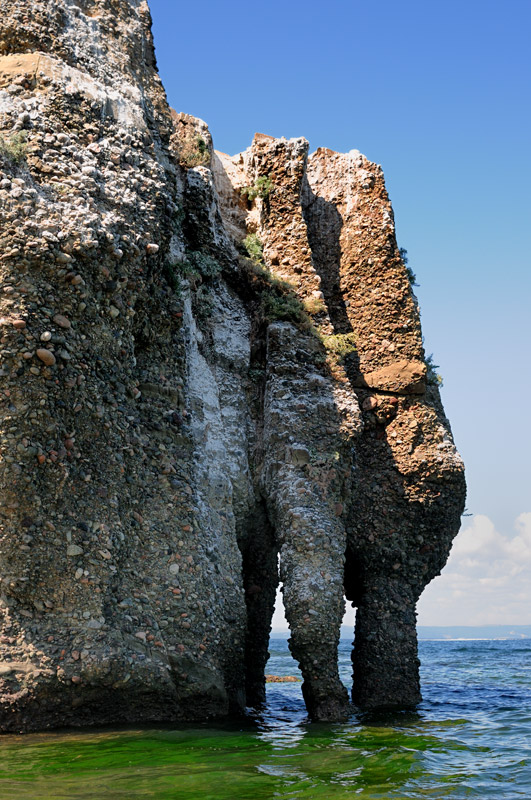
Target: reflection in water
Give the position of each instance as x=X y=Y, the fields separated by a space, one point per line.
x=468 y=740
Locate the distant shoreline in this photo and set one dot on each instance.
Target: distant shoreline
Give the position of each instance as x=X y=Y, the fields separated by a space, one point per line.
x=450 y=633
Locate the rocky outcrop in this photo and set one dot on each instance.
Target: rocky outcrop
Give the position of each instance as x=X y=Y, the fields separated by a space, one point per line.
x=410 y=486
x=327 y=227
x=182 y=412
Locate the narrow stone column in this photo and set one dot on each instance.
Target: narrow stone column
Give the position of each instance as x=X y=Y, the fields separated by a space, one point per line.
x=306 y=482
x=315 y=622
x=386 y=667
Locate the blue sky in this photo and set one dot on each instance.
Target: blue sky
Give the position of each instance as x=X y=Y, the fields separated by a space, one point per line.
x=438 y=93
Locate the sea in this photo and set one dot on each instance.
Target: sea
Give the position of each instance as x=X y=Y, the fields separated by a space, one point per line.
x=470 y=738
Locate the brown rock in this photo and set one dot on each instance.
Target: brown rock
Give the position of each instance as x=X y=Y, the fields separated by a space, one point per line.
x=46 y=356
x=62 y=321
x=402 y=377
x=369 y=403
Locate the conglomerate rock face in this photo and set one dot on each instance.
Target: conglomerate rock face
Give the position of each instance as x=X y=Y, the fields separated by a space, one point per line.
x=181 y=414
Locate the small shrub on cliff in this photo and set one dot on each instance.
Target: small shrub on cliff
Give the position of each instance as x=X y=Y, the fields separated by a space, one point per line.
x=253 y=247
x=256 y=375
x=261 y=188
x=202 y=303
x=276 y=298
x=171 y=276
x=412 y=278
x=284 y=306
x=15 y=147
x=202 y=264
x=314 y=305
x=340 y=344
x=433 y=378
x=194 y=152
x=194 y=268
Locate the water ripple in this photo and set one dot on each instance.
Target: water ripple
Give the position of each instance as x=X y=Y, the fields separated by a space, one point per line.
x=469 y=739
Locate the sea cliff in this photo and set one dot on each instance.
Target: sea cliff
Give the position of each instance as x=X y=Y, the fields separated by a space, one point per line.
x=212 y=378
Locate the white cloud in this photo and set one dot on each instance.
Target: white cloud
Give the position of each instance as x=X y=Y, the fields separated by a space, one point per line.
x=487 y=580
x=279 y=618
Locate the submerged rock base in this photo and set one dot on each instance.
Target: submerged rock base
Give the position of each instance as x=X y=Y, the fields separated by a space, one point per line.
x=210 y=366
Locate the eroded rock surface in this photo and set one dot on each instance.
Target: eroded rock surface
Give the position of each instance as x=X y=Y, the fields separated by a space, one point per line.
x=176 y=421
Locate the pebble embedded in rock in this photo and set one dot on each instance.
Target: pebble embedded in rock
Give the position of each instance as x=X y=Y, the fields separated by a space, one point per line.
x=46 y=356
x=62 y=321
x=369 y=403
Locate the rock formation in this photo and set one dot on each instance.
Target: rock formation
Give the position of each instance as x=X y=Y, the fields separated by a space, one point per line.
x=209 y=366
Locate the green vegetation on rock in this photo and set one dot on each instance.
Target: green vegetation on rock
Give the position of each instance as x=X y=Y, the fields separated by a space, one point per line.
x=261 y=188
x=195 y=153
x=195 y=267
x=15 y=147
x=412 y=278
x=277 y=298
x=201 y=264
x=340 y=344
x=253 y=247
x=314 y=305
x=433 y=378
x=281 y=303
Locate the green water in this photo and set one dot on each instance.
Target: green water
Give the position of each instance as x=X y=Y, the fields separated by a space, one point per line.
x=471 y=738
x=327 y=761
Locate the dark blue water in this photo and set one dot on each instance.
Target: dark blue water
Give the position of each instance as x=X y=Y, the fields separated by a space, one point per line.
x=470 y=738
